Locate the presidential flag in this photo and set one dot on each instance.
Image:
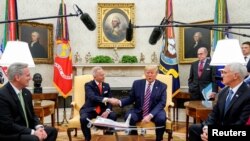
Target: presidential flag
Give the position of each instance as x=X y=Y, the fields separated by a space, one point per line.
x=168 y=56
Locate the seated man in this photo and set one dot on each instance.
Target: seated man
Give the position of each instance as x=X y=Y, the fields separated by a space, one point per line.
x=149 y=99
x=233 y=104
x=97 y=94
x=17 y=118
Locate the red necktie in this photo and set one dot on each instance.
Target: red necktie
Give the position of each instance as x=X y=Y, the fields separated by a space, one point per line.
x=200 y=68
x=146 y=101
x=98 y=108
x=100 y=88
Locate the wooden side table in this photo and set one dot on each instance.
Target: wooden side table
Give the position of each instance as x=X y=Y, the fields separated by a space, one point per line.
x=198 y=111
x=48 y=96
x=180 y=95
x=46 y=108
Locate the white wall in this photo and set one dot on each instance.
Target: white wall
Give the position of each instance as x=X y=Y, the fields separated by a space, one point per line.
x=147 y=12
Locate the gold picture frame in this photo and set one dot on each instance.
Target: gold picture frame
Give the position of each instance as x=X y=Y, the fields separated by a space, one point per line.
x=41 y=51
x=188 y=47
x=113 y=19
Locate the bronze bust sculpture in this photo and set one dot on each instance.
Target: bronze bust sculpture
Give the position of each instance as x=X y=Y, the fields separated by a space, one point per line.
x=37 y=78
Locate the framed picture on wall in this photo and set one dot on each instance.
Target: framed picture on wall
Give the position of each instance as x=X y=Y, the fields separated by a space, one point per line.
x=39 y=36
x=113 y=19
x=191 y=39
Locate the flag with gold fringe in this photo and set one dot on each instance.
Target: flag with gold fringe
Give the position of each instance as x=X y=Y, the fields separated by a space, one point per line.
x=168 y=56
x=220 y=17
x=63 y=57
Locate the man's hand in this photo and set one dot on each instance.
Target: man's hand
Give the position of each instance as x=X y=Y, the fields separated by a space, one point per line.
x=105 y=114
x=212 y=95
x=41 y=134
x=146 y=119
x=114 y=101
x=204 y=136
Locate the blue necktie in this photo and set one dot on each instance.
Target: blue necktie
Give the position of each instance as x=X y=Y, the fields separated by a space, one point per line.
x=229 y=97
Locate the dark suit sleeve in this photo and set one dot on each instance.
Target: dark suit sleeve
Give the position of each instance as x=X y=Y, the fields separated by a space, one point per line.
x=160 y=105
x=131 y=98
x=191 y=85
x=8 y=125
x=109 y=106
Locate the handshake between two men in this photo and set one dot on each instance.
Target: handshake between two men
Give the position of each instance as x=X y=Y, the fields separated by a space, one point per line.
x=113 y=101
x=116 y=102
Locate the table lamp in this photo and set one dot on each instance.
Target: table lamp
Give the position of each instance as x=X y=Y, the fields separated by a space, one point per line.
x=227 y=51
x=16 y=51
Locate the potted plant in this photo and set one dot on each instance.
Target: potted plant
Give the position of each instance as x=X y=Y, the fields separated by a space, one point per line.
x=101 y=59
x=129 y=59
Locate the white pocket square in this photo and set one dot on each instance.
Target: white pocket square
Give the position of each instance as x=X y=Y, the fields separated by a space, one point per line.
x=105 y=92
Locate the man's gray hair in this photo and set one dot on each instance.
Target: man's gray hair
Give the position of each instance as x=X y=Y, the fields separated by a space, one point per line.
x=95 y=69
x=15 y=69
x=238 y=68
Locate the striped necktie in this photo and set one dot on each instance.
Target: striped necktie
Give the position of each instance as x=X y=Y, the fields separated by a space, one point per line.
x=146 y=100
x=20 y=96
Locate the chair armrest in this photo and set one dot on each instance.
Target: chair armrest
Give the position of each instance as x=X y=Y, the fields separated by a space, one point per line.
x=73 y=103
x=73 y=106
x=171 y=104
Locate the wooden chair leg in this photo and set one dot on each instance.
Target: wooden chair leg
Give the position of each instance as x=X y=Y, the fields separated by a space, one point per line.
x=170 y=134
x=69 y=130
x=75 y=132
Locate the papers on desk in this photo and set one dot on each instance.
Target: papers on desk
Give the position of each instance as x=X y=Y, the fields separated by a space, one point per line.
x=207 y=91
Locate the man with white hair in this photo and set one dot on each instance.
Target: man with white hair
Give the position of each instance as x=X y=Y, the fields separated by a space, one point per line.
x=233 y=104
x=97 y=94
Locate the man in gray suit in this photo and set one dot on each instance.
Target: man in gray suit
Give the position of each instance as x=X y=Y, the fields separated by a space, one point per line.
x=201 y=75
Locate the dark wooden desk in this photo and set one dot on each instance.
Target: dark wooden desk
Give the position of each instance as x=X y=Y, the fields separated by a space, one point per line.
x=179 y=96
x=197 y=110
x=48 y=96
x=45 y=108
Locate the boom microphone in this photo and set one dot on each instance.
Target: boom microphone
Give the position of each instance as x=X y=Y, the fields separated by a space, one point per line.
x=129 y=32
x=155 y=35
x=86 y=19
x=157 y=32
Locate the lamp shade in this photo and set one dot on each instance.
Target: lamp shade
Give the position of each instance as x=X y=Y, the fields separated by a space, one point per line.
x=16 y=51
x=227 y=51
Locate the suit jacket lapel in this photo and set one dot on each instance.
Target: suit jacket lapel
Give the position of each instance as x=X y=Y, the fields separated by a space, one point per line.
x=235 y=97
x=96 y=87
x=17 y=101
x=26 y=104
x=143 y=83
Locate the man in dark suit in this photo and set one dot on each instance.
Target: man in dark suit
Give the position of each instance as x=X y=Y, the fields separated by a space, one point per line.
x=246 y=52
x=149 y=99
x=201 y=75
x=233 y=104
x=17 y=119
x=97 y=95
